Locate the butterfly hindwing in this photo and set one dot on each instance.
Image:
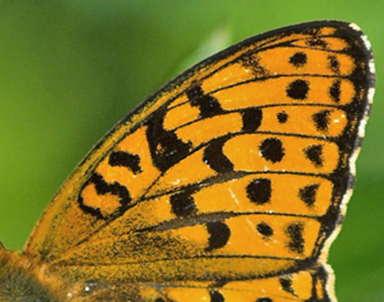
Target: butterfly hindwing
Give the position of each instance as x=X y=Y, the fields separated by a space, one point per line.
x=303 y=286
x=237 y=170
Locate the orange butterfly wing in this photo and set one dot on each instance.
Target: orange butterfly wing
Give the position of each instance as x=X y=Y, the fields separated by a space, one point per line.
x=229 y=183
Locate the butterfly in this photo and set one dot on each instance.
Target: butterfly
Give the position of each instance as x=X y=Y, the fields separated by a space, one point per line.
x=227 y=185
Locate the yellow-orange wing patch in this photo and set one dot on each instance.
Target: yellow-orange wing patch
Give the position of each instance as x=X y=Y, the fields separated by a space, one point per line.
x=227 y=184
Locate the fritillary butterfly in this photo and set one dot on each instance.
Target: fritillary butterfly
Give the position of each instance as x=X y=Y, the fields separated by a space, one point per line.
x=226 y=185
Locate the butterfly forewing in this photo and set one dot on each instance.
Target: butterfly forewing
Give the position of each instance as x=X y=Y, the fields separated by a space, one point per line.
x=237 y=171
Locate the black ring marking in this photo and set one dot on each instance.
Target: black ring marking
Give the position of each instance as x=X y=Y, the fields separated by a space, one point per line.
x=104 y=188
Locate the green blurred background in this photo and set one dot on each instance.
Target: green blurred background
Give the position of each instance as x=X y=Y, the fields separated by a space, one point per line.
x=70 y=69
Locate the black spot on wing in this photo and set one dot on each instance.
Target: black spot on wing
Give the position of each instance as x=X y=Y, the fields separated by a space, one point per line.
x=215 y=158
x=295 y=233
x=335 y=91
x=264 y=229
x=308 y=194
x=125 y=159
x=334 y=64
x=252 y=118
x=219 y=235
x=264 y=299
x=252 y=61
x=286 y=284
x=321 y=120
x=259 y=191
x=272 y=149
x=165 y=147
x=183 y=204
x=282 y=117
x=299 y=59
x=216 y=296
x=208 y=105
x=298 y=90
x=315 y=155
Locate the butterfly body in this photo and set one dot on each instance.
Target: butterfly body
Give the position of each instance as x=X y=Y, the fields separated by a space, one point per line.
x=22 y=279
x=226 y=185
